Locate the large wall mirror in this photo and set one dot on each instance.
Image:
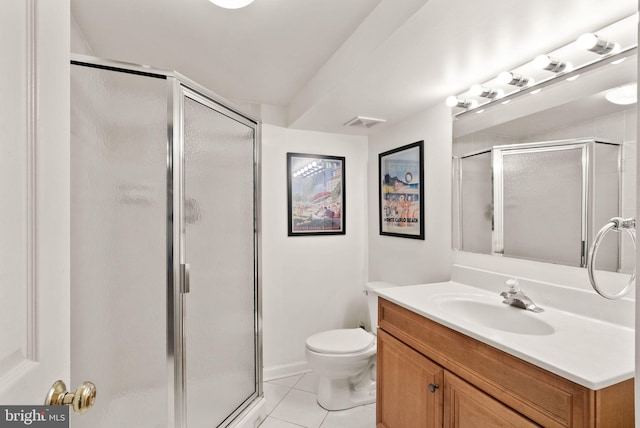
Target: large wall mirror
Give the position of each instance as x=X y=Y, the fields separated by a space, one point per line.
x=536 y=178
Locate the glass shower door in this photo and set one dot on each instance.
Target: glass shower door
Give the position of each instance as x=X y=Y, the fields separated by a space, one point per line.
x=118 y=246
x=221 y=304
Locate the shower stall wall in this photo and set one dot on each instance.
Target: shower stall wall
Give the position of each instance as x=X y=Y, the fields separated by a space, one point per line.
x=165 y=302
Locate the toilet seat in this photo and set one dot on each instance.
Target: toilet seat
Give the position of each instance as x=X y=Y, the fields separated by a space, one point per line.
x=342 y=341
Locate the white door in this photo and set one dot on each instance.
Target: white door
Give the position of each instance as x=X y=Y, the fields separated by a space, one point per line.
x=34 y=226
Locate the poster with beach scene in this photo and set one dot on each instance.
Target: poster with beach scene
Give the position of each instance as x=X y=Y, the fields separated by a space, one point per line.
x=401 y=206
x=316 y=201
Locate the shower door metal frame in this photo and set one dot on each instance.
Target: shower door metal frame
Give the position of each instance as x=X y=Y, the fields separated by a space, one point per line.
x=179 y=86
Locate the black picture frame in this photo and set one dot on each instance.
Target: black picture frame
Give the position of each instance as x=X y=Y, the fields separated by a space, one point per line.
x=316 y=201
x=401 y=191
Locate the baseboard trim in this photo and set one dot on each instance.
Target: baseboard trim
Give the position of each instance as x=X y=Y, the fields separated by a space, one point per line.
x=285 y=370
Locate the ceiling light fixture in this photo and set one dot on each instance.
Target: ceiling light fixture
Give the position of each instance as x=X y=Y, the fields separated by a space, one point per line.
x=484 y=92
x=232 y=4
x=546 y=62
x=509 y=78
x=623 y=95
x=594 y=43
x=454 y=101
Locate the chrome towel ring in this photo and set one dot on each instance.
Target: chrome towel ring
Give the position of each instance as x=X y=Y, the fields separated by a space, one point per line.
x=616 y=224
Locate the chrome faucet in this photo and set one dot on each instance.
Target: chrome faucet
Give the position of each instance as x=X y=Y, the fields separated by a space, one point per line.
x=515 y=297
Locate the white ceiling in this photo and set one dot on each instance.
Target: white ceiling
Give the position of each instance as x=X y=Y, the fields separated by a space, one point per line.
x=322 y=62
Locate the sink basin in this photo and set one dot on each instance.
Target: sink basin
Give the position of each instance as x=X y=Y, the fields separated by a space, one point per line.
x=494 y=315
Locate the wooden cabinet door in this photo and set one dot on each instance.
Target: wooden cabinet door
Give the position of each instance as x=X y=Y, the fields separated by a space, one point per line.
x=404 y=396
x=468 y=407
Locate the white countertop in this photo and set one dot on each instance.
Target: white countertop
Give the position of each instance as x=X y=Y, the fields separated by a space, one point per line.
x=590 y=352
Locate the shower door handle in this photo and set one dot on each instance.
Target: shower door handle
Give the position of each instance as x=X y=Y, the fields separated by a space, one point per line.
x=185 y=277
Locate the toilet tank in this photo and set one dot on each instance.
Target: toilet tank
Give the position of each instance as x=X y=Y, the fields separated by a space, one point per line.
x=372 y=300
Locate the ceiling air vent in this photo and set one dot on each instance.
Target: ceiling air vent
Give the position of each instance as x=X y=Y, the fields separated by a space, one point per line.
x=364 y=122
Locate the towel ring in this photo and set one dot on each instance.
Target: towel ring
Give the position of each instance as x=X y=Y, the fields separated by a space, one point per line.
x=616 y=224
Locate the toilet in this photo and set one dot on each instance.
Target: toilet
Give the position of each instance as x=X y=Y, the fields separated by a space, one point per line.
x=344 y=360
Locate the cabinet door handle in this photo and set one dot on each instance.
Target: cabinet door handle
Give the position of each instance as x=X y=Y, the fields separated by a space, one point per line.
x=433 y=387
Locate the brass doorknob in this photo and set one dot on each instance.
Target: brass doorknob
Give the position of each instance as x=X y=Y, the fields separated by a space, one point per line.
x=81 y=400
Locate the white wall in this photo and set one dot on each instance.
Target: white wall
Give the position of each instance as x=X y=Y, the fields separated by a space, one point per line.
x=412 y=261
x=309 y=283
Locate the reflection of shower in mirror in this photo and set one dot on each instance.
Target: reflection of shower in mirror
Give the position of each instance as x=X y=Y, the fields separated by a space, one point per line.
x=575 y=111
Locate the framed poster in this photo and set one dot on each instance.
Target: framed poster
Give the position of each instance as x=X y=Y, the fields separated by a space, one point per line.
x=401 y=207
x=316 y=194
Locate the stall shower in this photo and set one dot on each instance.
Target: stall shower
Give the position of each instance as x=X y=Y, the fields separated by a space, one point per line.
x=165 y=302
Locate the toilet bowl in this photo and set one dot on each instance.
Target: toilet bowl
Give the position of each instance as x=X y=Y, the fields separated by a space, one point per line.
x=344 y=361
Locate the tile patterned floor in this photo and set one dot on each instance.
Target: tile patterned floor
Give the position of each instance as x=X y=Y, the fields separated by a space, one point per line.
x=291 y=403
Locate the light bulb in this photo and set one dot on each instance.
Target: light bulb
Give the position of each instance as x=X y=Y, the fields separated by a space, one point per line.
x=587 y=41
x=231 y=4
x=593 y=43
x=452 y=101
x=505 y=77
x=541 y=61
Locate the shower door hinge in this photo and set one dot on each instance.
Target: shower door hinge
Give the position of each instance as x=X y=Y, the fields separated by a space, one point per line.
x=185 y=278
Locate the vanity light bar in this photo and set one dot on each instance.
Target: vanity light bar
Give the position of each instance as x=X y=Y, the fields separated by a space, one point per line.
x=609 y=51
x=536 y=88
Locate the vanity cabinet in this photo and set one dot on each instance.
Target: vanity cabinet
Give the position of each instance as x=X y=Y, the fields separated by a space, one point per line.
x=404 y=380
x=432 y=376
